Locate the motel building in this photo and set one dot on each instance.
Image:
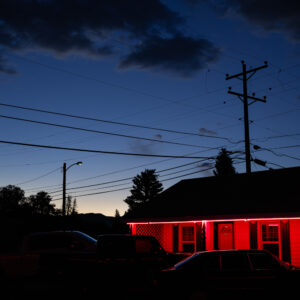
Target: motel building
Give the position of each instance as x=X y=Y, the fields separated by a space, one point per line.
x=260 y=210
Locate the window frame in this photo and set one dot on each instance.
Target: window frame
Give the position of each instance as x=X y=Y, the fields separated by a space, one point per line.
x=260 y=236
x=182 y=242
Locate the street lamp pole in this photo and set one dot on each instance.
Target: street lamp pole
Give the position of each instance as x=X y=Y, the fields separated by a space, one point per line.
x=65 y=169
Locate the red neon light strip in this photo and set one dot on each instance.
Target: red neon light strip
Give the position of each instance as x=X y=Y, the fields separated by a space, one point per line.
x=216 y=220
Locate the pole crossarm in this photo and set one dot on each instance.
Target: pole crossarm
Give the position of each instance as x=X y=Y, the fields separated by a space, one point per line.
x=249 y=97
x=249 y=71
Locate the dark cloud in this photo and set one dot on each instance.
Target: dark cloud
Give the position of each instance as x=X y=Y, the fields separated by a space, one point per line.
x=179 y=54
x=86 y=26
x=271 y=15
x=207 y=131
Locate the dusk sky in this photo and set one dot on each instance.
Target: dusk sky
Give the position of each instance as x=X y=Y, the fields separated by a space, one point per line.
x=151 y=74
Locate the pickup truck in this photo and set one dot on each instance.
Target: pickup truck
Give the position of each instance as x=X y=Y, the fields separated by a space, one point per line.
x=130 y=262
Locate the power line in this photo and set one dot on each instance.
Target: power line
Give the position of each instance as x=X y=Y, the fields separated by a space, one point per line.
x=121 y=189
x=92 y=78
x=96 y=184
x=99 y=151
x=275 y=153
x=128 y=178
x=102 y=81
x=111 y=191
x=36 y=178
x=276 y=137
x=101 y=132
x=112 y=122
x=126 y=169
x=287 y=147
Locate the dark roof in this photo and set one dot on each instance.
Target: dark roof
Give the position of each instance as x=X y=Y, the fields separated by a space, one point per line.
x=265 y=192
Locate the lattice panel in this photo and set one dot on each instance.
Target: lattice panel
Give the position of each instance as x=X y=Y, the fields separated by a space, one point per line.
x=155 y=230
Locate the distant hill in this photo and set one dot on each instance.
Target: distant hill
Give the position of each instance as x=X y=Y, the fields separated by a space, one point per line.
x=96 y=218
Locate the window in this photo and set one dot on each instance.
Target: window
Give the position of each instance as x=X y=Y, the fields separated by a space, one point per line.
x=263 y=261
x=270 y=233
x=49 y=242
x=143 y=247
x=211 y=263
x=188 y=234
x=235 y=262
x=188 y=239
x=270 y=238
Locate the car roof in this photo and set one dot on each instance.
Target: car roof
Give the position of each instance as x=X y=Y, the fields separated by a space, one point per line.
x=54 y=232
x=232 y=251
x=129 y=236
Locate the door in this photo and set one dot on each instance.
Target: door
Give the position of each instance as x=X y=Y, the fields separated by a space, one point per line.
x=225 y=236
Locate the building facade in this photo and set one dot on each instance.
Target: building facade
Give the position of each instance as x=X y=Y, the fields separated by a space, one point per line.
x=185 y=221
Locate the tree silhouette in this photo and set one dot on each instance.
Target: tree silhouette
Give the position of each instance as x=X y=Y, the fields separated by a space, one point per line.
x=224 y=165
x=11 y=199
x=117 y=214
x=71 y=206
x=145 y=188
x=74 y=208
x=40 y=204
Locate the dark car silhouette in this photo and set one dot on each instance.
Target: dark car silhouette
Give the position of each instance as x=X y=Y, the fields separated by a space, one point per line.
x=229 y=274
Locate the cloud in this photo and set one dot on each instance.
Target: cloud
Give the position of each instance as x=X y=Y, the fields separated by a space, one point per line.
x=142 y=147
x=207 y=131
x=206 y=165
x=5 y=68
x=179 y=54
x=158 y=136
x=271 y=15
x=87 y=27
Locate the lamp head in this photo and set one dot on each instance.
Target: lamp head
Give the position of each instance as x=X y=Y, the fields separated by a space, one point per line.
x=79 y=163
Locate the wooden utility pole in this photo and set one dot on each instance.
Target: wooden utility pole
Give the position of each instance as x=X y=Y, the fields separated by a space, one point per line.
x=64 y=190
x=244 y=98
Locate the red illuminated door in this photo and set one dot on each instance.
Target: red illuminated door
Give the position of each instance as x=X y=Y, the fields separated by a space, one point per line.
x=225 y=236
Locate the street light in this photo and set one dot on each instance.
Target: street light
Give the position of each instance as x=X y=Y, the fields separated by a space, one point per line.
x=65 y=169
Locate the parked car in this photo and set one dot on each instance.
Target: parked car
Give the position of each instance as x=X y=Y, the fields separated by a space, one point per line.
x=229 y=273
x=43 y=252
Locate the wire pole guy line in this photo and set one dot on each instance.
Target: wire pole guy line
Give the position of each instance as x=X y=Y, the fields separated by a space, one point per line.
x=244 y=98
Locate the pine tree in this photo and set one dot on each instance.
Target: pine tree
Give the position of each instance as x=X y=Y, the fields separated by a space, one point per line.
x=117 y=214
x=145 y=188
x=224 y=165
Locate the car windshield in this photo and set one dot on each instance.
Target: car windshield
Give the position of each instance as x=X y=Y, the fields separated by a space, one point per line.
x=86 y=237
x=186 y=261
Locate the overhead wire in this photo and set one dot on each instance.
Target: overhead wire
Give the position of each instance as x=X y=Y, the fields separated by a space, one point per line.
x=39 y=177
x=101 y=132
x=126 y=169
x=114 y=122
x=110 y=191
x=98 y=151
x=130 y=178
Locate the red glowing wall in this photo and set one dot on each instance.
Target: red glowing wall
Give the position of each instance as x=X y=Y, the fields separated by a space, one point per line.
x=247 y=233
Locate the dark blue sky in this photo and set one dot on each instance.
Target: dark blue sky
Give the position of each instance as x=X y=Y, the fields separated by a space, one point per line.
x=153 y=63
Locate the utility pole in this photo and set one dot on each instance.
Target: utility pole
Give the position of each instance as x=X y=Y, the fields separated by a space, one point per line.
x=244 y=98
x=64 y=190
x=65 y=169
